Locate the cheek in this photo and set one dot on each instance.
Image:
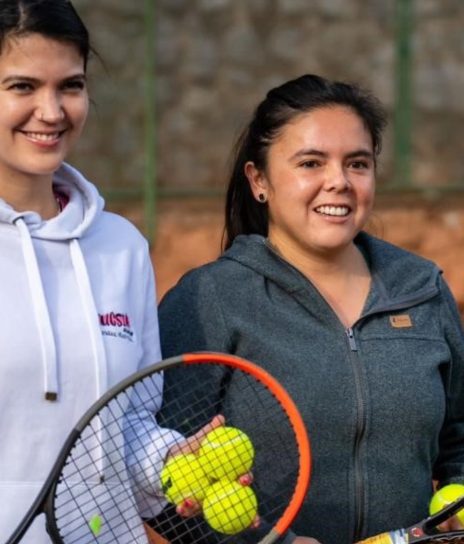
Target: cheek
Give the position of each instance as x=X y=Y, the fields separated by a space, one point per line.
x=366 y=193
x=78 y=113
x=14 y=111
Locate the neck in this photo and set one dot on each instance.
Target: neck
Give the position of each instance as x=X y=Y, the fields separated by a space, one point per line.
x=342 y=277
x=26 y=194
x=323 y=263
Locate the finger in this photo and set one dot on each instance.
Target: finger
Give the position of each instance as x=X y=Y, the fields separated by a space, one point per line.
x=246 y=479
x=255 y=523
x=195 y=440
x=217 y=421
x=188 y=508
x=192 y=444
x=455 y=524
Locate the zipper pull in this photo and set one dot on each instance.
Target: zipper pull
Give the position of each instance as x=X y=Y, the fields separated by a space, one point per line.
x=351 y=339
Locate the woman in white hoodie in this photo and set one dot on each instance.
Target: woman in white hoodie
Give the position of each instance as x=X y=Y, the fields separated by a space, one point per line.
x=77 y=293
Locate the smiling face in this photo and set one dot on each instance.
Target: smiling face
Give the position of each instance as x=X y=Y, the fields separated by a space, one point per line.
x=319 y=181
x=43 y=105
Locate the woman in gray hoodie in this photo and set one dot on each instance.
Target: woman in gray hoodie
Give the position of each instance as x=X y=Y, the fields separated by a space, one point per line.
x=365 y=336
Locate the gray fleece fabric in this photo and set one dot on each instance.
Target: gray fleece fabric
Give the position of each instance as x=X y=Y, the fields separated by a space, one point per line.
x=383 y=402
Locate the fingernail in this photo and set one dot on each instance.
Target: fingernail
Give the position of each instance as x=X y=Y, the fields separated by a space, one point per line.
x=245 y=479
x=188 y=503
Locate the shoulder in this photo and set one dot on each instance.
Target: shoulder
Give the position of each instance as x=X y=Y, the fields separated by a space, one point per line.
x=114 y=229
x=389 y=257
x=223 y=275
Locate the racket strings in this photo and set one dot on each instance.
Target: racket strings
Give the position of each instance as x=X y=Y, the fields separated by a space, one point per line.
x=97 y=499
x=248 y=405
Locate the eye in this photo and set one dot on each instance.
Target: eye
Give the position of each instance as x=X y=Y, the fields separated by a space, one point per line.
x=311 y=163
x=21 y=86
x=360 y=165
x=74 y=85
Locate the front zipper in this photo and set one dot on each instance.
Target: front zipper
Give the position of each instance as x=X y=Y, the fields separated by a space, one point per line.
x=351 y=340
x=359 y=435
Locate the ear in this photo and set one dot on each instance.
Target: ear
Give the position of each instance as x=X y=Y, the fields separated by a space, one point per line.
x=257 y=180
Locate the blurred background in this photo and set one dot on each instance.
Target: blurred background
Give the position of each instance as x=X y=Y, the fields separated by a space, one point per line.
x=177 y=80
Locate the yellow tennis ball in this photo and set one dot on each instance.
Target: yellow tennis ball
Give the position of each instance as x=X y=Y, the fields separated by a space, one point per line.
x=226 y=452
x=445 y=496
x=182 y=477
x=95 y=524
x=229 y=507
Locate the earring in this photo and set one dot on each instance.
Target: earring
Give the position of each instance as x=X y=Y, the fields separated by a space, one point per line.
x=262 y=198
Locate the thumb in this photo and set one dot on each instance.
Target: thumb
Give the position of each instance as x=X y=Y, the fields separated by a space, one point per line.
x=192 y=444
x=196 y=439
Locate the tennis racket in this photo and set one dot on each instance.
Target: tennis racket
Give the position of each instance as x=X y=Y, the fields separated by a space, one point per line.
x=107 y=475
x=426 y=531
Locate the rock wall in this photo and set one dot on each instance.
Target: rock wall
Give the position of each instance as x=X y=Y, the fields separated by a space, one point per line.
x=215 y=59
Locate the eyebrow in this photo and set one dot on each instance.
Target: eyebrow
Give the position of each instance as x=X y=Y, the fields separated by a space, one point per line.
x=318 y=153
x=28 y=79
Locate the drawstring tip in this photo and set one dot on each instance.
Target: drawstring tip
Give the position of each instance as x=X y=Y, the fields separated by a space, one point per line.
x=52 y=397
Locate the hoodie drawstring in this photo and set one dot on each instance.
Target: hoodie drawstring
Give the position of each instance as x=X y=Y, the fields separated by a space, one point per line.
x=98 y=349
x=91 y=314
x=42 y=317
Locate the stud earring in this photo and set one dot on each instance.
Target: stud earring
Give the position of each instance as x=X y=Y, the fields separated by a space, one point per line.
x=262 y=198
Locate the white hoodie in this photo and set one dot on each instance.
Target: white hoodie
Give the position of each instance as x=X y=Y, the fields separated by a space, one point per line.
x=77 y=314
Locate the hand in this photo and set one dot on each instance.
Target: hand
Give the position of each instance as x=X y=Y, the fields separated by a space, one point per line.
x=192 y=444
x=305 y=540
x=191 y=507
x=452 y=524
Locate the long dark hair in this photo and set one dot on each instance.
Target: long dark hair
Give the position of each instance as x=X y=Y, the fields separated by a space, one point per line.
x=56 y=19
x=243 y=214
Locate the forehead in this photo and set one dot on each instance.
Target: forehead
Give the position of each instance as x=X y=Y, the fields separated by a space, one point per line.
x=37 y=53
x=328 y=127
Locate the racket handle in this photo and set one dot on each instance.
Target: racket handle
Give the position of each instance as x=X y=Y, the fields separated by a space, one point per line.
x=392 y=537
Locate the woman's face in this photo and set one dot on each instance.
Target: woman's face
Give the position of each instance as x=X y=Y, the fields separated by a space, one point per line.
x=319 y=181
x=43 y=104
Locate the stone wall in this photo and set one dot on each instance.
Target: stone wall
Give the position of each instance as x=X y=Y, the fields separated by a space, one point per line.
x=215 y=59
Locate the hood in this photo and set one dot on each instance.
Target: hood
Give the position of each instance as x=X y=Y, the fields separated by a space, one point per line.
x=399 y=277
x=83 y=208
x=80 y=213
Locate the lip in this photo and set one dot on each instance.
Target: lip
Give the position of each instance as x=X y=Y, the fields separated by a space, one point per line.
x=333 y=211
x=44 y=139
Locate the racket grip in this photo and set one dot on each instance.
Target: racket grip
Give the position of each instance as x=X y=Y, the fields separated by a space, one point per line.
x=392 y=537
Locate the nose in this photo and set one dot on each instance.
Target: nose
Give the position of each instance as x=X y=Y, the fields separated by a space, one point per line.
x=49 y=108
x=337 y=179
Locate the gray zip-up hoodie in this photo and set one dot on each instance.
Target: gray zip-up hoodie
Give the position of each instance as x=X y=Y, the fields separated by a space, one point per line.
x=383 y=401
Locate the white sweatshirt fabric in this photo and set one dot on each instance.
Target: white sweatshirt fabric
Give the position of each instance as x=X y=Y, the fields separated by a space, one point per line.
x=77 y=315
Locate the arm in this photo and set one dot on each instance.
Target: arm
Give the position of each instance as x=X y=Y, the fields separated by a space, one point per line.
x=191 y=318
x=146 y=443
x=449 y=467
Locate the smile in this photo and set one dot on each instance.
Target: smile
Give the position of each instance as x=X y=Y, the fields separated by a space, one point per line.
x=43 y=137
x=338 y=211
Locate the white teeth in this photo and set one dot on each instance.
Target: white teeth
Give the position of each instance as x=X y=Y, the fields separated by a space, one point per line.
x=43 y=137
x=339 y=211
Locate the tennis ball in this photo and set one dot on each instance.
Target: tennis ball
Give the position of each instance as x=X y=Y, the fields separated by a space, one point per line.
x=226 y=452
x=95 y=524
x=445 y=496
x=182 y=477
x=229 y=507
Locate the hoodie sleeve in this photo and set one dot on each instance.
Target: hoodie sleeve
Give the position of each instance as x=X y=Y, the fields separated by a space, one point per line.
x=191 y=321
x=191 y=318
x=146 y=443
x=150 y=331
x=449 y=467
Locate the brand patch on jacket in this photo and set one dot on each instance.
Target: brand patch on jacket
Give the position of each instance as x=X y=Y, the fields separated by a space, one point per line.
x=117 y=325
x=401 y=321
